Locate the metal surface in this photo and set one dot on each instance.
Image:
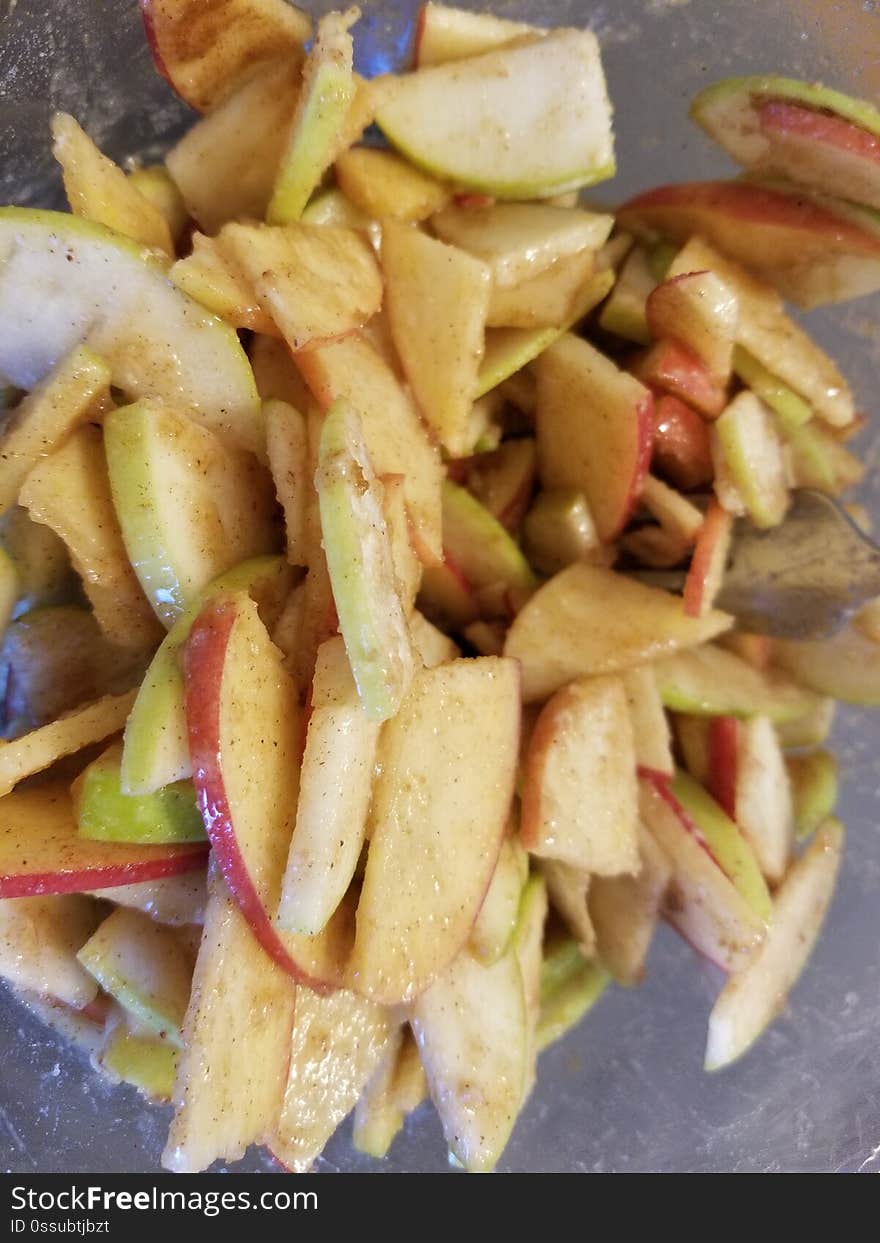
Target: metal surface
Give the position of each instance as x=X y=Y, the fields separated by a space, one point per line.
x=625 y=1091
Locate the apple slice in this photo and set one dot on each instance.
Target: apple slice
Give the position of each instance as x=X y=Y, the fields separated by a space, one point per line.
x=528 y=945
x=557 y=119
x=559 y=530
x=204 y=53
x=678 y=516
x=625 y=311
x=845 y=667
x=104 y=813
x=680 y=444
x=497 y=917
x=651 y=734
x=385 y=187
x=225 y=165
x=570 y=987
x=154 y=183
x=699 y=310
x=76 y=391
x=334 y=796
x=545 y=300
x=396 y=1087
x=813 y=249
x=147 y=1062
x=433 y=646
x=519 y=241
x=503 y=480
x=754 y=996
x=276 y=377
x=445 y=34
x=579 y=799
x=338 y=1042
x=99 y=190
x=810 y=730
x=752 y=452
x=39 y=940
x=438 y=299
x=816 y=459
x=718 y=834
x=480 y=547
x=407 y=566
x=37 y=562
x=455 y=740
x=174 y=900
x=236 y=1044
x=702 y=903
x=625 y=911
x=359 y=561
x=146 y=967
x=791 y=410
x=155 y=751
x=328 y=89
x=675 y=368
x=589 y=620
x=705 y=575
x=763 y=798
x=316 y=281
x=709 y=681
x=189 y=507
x=157 y=342
x=446 y=597
x=568 y=890
x=814 y=784
x=208 y=276
x=772 y=337
x=720 y=774
x=395 y=439
x=41 y=851
x=472 y=1034
x=800 y=130
x=594 y=425
x=288 y=450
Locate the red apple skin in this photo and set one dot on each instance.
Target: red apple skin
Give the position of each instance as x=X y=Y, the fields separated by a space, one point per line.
x=156 y=863
x=681 y=444
x=474 y=202
x=724 y=761
x=674 y=368
x=204 y=657
x=779 y=116
x=153 y=43
x=645 y=419
x=421 y=21
x=662 y=783
x=716 y=526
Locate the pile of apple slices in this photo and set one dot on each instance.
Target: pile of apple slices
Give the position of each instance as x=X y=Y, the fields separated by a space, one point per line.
x=348 y=752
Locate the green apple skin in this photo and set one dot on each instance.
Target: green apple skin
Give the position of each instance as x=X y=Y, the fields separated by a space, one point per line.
x=570 y=986
x=814 y=787
x=559 y=530
x=791 y=410
x=106 y=814
x=709 y=681
x=753 y=454
x=480 y=546
x=56 y=268
x=146 y=1062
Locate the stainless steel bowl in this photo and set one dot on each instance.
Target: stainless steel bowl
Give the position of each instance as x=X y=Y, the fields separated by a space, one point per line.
x=625 y=1091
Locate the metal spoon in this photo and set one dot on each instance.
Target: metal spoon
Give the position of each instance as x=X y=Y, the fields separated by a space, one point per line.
x=802 y=579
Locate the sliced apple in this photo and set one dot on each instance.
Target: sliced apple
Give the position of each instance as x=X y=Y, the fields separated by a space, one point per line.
x=755 y=994
x=42 y=853
x=155 y=751
x=334 y=796
x=812 y=249
x=445 y=34
x=378 y=1114
x=651 y=734
x=675 y=368
x=236 y=1044
x=594 y=425
x=752 y=452
x=383 y=186
x=791 y=410
x=407 y=566
x=328 y=89
x=763 y=806
x=677 y=516
x=157 y=342
x=104 y=813
x=814 y=786
x=288 y=450
x=518 y=241
x=359 y=561
x=208 y=276
x=332 y=207
x=174 y=900
x=772 y=337
x=557 y=119
x=99 y=190
x=276 y=376
x=723 y=739
x=680 y=443
x=702 y=903
x=438 y=299
x=433 y=646
x=146 y=967
x=568 y=889
x=709 y=681
x=545 y=300
x=698 y=309
x=226 y=164
x=800 y=130
x=316 y=281
x=338 y=1042
x=395 y=439
x=503 y=480
x=589 y=620
x=431 y=858
x=147 y=1062
x=569 y=989
x=497 y=917
x=559 y=530
x=205 y=52
x=483 y=551
x=38 y=569
x=446 y=597
x=472 y=1034
x=528 y=945
x=625 y=911
x=705 y=575
x=845 y=667
x=579 y=785
x=625 y=311
x=39 y=940
x=154 y=182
